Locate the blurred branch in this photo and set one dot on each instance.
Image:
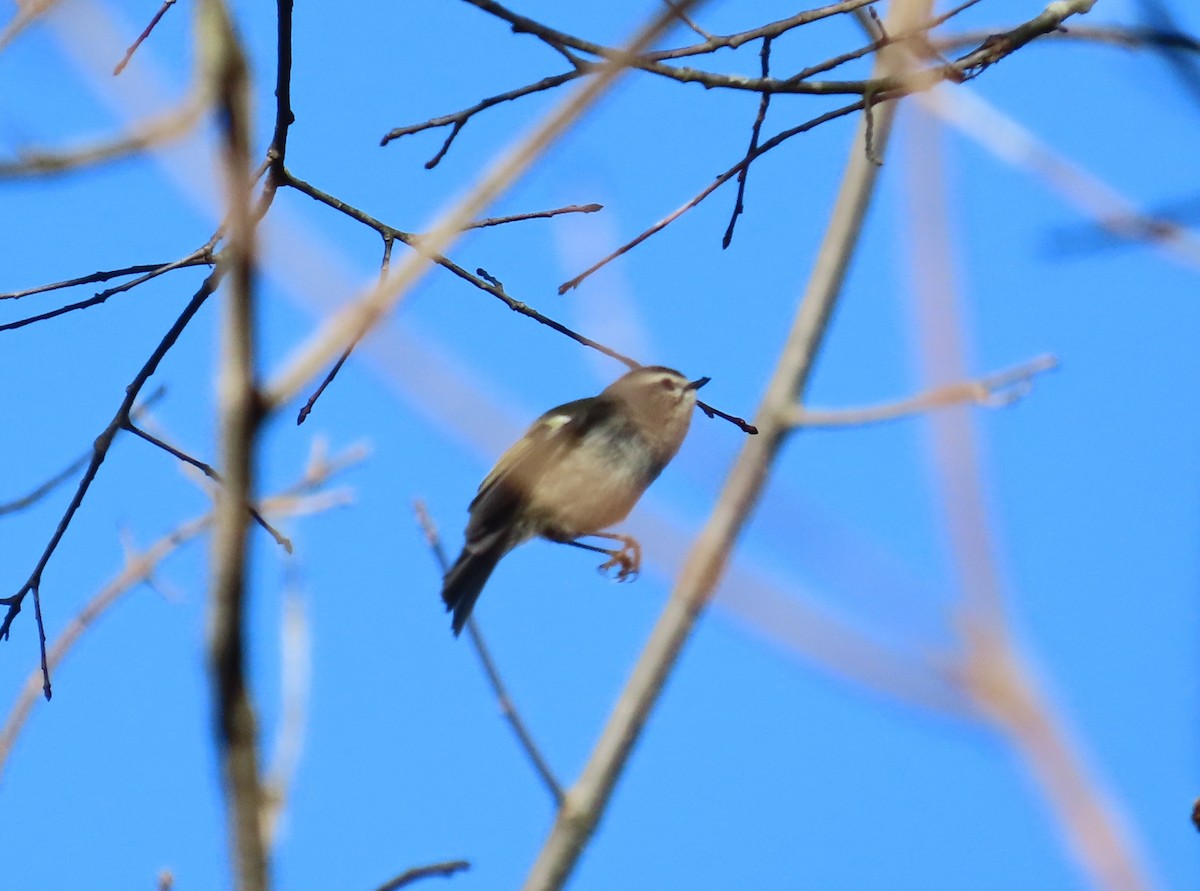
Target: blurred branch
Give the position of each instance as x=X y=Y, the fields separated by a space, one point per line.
x=720 y=180
x=241 y=412
x=162 y=10
x=164 y=128
x=449 y=868
x=295 y=673
x=994 y=673
x=28 y=12
x=1011 y=142
x=588 y=798
x=139 y=567
x=507 y=708
x=991 y=391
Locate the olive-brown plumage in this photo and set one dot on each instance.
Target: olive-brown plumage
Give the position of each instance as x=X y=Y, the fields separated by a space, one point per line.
x=580 y=468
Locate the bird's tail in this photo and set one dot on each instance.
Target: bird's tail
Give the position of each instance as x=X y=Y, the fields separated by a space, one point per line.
x=465 y=580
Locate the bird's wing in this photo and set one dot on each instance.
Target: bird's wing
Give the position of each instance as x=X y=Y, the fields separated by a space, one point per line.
x=503 y=491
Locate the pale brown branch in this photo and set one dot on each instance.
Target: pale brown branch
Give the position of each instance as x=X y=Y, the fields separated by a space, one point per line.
x=995 y=673
x=166 y=127
x=240 y=411
x=138 y=568
x=588 y=798
x=991 y=391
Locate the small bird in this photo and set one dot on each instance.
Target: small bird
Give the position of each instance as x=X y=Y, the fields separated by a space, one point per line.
x=580 y=468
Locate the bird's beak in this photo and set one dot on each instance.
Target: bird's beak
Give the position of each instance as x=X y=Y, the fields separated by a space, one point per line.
x=698 y=383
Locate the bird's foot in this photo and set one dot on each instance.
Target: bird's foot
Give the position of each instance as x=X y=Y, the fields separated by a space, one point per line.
x=627 y=561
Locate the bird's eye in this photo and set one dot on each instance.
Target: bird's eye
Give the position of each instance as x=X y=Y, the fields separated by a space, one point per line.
x=667 y=384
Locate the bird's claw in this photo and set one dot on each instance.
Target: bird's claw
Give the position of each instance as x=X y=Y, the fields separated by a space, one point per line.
x=628 y=561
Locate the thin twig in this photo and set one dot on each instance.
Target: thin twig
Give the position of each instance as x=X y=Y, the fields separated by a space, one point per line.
x=211 y=472
x=535 y=215
x=138 y=568
x=764 y=103
x=991 y=391
x=507 y=707
x=162 y=10
x=687 y=20
x=721 y=179
x=449 y=868
x=201 y=256
x=307 y=408
x=107 y=275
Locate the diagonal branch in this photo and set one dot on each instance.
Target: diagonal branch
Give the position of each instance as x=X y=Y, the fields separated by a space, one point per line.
x=507 y=708
x=588 y=798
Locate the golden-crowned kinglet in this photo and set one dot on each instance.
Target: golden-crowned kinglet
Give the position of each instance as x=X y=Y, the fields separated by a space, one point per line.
x=580 y=468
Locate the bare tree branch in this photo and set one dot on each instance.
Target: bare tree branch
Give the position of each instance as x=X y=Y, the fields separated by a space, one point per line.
x=409 y=876
x=171 y=125
x=507 y=707
x=588 y=798
x=234 y=720
x=991 y=391
x=365 y=312
x=162 y=10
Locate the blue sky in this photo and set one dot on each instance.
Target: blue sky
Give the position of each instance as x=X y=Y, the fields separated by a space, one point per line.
x=764 y=765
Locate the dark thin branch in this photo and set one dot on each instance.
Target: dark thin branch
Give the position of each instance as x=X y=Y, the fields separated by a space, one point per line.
x=414 y=241
x=481 y=281
x=75 y=466
x=162 y=10
x=535 y=215
x=763 y=103
x=99 y=451
x=306 y=409
x=723 y=178
x=409 y=876
x=284 y=116
x=458 y=119
x=507 y=708
x=107 y=275
x=994 y=48
x=199 y=257
x=209 y=471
